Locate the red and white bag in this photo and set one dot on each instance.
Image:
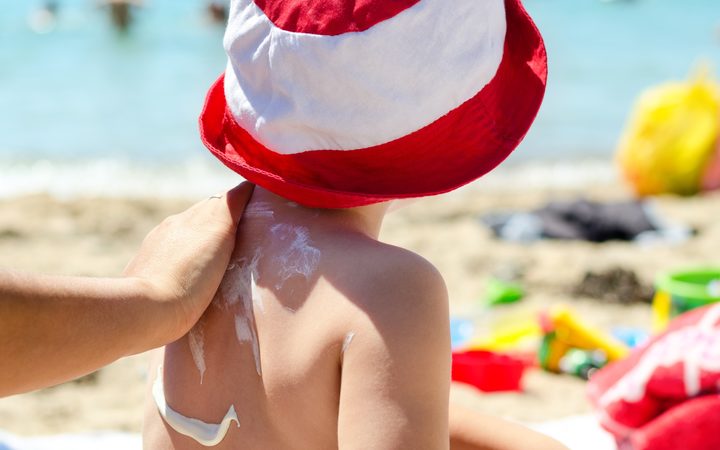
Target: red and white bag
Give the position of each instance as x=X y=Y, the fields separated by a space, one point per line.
x=665 y=395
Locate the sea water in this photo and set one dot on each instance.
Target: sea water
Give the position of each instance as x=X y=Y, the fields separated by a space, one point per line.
x=85 y=108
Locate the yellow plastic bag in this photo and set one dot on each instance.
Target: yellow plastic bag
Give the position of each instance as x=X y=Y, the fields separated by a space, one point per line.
x=671 y=137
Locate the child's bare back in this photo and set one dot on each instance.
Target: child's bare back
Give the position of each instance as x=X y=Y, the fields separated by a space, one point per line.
x=320 y=337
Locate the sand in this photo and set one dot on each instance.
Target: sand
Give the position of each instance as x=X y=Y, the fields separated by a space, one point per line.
x=98 y=236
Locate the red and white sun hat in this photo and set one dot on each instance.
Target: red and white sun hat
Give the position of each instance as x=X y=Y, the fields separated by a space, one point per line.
x=339 y=103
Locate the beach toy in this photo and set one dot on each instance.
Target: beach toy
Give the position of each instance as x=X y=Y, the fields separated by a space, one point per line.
x=670 y=142
x=564 y=331
x=664 y=396
x=488 y=371
x=512 y=335
x=499 y=292
x=582 y=363
x=680 y=291
x=461 y=332
x=632 y=337
x=711 y=177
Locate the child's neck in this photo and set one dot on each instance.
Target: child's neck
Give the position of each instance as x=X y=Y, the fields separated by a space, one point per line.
x=366 y=220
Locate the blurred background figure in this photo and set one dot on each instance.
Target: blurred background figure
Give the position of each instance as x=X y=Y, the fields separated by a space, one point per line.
x=44 y=19
x=217 y=12
x=121 y=12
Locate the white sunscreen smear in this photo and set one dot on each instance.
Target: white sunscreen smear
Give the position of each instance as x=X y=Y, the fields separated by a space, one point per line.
x=207 y=434
x=196 y=340
x=242 y=330
x=346 y=342
x=239 y=292
x=238 y=281
x=229 y=293
x=297 y=256
x=245 y=332
x=259 y=210
x=255 y=293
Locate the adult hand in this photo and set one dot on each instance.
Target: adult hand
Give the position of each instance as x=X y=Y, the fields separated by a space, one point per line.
x=53 y=329
x=182 y=261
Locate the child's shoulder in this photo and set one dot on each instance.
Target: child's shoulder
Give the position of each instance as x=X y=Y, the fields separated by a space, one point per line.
x=397 y=362
x=393 y=287
x=406 y=276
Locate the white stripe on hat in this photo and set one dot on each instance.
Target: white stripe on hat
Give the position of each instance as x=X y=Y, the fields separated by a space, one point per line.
x=295 y=92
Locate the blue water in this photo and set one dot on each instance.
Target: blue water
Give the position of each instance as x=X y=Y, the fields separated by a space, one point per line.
x=602 y=55
x=84 y=90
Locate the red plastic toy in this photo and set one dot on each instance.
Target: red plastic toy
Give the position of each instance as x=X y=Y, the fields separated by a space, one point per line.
x=488 y=371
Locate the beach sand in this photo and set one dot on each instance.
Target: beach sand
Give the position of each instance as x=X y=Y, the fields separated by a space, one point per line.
x=98 y=237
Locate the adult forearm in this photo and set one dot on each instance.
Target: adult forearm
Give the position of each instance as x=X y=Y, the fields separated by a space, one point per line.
x=56 y=328
x=53 y=329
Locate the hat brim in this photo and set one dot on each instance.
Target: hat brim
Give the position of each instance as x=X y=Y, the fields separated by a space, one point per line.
x=452 y=151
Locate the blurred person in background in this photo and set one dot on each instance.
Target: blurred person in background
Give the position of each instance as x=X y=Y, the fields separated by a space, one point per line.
x=217 y=12
x=121 y=12
x=43 y=19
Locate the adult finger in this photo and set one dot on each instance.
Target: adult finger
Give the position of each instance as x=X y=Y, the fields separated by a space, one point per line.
x=236 y=199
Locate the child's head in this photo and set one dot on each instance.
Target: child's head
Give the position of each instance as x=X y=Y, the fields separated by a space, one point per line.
x=340 y=103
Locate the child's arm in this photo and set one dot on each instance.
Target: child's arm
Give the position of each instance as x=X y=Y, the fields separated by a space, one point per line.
x=470 y=430
x=396 y=371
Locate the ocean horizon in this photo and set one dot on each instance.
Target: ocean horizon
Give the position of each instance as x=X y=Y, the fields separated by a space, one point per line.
x=79 y=98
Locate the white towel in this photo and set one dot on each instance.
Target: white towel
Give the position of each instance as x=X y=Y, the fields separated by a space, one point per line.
x=577 y=433
x=87 y=441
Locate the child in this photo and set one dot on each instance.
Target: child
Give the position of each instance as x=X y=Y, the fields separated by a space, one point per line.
x=321 y=336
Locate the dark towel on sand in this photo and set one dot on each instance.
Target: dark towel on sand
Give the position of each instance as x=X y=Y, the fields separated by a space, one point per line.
x=579 y=219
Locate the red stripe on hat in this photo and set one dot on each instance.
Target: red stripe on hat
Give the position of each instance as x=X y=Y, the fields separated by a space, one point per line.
x=454 y=150
x=330 y=17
